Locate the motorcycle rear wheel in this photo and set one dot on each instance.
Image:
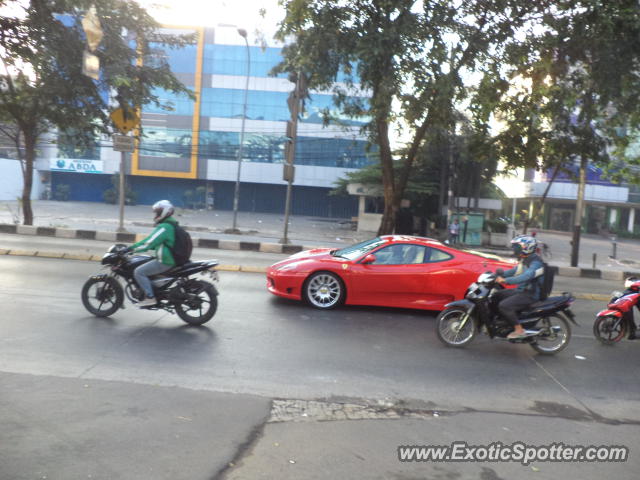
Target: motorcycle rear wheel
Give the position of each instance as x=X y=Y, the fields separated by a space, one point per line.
x=449 y=331
x=557 y=338
x=107 y=294
x=606 y=330
x=201 y=306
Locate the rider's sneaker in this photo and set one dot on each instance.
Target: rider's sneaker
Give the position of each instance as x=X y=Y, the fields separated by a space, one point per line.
x=147 y=302
x=632 y=335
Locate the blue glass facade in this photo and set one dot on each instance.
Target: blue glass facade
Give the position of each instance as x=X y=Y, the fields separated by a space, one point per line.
x=181 y=143
x=262 y=105
x=232 y=60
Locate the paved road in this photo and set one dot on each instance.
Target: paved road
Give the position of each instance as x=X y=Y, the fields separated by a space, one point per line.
x=261 y=348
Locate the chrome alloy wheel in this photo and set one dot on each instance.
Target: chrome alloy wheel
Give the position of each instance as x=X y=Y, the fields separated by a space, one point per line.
x=324 y=290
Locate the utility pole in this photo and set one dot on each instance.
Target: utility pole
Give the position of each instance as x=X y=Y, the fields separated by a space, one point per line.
x=236 y=192
x=577 y=223
x=295 y=97
x=122 y=193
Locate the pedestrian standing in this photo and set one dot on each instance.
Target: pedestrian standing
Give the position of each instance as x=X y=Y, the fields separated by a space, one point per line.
x=454 y=232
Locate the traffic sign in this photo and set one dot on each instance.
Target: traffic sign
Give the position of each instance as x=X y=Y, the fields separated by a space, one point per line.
x=122 y=143
x=125 y=121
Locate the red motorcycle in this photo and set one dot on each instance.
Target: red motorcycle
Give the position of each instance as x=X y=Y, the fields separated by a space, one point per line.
x=616 y=322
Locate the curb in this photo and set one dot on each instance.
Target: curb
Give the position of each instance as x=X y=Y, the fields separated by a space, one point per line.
x=97 y=258
x=264 y=247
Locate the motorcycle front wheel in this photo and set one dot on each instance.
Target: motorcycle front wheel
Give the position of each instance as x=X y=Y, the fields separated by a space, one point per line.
x=554 y=336
x=609 y=329
x=455 y=328
x=102 y=296
x=201 y=304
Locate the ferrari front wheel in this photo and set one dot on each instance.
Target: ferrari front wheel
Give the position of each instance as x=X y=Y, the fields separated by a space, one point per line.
x=324 y=290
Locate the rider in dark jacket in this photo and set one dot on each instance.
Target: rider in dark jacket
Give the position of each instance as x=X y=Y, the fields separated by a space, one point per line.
x=528 y=276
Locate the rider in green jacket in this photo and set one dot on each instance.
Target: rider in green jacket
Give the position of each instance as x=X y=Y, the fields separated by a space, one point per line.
x=162 y=240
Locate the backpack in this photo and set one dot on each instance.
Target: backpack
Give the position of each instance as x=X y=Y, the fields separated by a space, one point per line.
x=182 y=247
x=546 y=280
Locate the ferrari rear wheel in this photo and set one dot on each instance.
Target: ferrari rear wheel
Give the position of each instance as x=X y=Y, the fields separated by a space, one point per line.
x=324 y=290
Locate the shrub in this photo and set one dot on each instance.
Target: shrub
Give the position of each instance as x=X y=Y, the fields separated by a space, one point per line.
x=62 y=192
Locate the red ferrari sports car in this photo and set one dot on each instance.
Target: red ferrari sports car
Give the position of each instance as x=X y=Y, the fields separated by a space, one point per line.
x=390 y=271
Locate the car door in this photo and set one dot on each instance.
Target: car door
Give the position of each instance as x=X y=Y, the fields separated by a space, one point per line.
x=447 y=277
x=394 y=279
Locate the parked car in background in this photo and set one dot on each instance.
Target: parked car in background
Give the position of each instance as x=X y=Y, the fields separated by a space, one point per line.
x=390 y=271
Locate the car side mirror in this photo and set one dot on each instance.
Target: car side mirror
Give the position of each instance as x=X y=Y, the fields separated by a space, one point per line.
x=371 y=258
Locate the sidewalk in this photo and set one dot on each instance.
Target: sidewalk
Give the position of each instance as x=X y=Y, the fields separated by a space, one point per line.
x=254 y=227
x=263 y=232
x=59 y=428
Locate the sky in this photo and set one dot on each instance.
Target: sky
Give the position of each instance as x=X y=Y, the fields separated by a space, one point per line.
x=219 y=14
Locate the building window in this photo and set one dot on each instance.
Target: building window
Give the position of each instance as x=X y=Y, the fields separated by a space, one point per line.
x=373 y=205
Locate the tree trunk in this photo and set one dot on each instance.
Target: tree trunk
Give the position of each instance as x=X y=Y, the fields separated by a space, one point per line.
x=575 y=242
x=391 y=202
x=29 y=159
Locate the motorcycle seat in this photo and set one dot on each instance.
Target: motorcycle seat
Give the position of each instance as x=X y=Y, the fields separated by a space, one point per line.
x=178 y=268
x=547 y=304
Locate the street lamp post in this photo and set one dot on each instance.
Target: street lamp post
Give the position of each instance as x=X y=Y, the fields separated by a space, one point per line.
x=236 y=194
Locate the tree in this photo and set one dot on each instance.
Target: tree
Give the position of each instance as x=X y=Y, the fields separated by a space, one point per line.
x=566 y=91
x=409 y=55
x=41 y=82
x=474 y=169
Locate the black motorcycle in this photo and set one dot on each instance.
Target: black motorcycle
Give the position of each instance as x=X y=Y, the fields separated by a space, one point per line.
x=194 y=300
x=546 y=321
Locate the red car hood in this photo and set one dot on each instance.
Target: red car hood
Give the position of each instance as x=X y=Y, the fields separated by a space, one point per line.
x=311 y=255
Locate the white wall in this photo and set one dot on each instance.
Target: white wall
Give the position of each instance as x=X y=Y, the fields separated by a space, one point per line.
x=593 y=193
x=11 y=181
x=258 y=172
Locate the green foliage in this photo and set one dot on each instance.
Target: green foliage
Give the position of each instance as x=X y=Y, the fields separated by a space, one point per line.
x=44 y=57
x=495 y=225
x=41 y=81
x=623 y=233
x=112 y=195
x=567 y=89
x=62 y=192
x=70 y=146
x=195 y=199
x=413 y=58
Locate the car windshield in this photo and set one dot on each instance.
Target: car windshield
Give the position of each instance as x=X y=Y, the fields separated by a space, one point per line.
x=359 y=249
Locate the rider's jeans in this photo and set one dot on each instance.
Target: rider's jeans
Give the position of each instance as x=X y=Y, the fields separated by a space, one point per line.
x=513 y=302
x=146 y=270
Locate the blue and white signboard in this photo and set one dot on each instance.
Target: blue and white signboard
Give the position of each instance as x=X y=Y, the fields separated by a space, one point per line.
x=76 y=165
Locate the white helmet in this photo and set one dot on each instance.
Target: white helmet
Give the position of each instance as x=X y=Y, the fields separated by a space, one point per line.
x=524 y=245
x=487 y=277
x=162 y=210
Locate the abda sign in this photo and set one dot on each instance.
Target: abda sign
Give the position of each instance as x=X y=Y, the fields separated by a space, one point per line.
x=76 y=165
